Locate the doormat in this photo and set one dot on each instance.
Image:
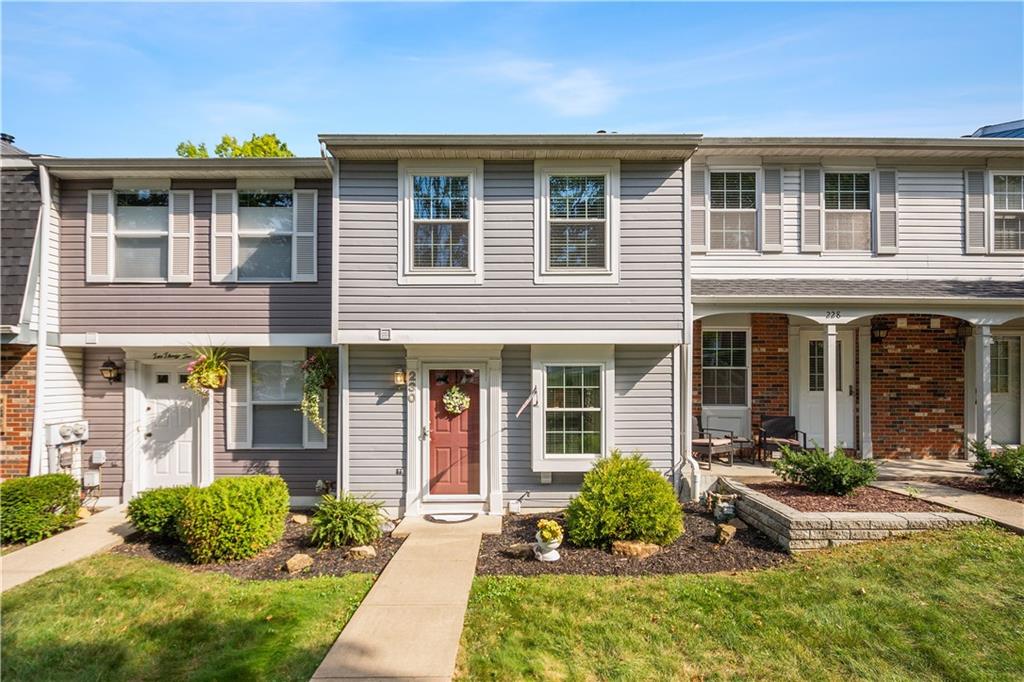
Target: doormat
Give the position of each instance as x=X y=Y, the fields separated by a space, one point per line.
x=449 y=518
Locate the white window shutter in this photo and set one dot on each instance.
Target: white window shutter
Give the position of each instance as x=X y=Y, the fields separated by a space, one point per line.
x=238 y=406
x=771 y=211
x=698 y=210
x=976 y=211
x=224 y=236
x=181 y=237
x=812 y=210
x=887 y=238
x=304 y=247
x=99 y=237
x=312 y=439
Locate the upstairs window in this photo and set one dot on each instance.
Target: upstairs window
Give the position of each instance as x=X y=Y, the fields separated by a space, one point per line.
x=140 y=234
x=578 y=223
x=848 y=211
x=265 y=228
x=733 y=210
x=1008 y=212
x=441 y=223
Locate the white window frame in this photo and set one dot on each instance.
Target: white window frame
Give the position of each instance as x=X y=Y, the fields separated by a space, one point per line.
x=542 y=172
x=409 y=275
x=165 y=234
x=871 y=210
x=240 y=232
x=991 y=211
x=277 y=355
x=726 y=328
x=558 y=355
x=758 y=205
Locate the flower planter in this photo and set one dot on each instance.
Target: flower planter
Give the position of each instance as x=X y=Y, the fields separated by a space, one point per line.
x=546 y=551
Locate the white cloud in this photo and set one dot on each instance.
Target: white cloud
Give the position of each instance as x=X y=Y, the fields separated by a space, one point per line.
x=577 y=91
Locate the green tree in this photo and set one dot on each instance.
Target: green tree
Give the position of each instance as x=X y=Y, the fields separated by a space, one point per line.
x=266 y=145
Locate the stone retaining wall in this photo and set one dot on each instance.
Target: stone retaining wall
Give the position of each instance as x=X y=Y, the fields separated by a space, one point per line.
x=797 y=531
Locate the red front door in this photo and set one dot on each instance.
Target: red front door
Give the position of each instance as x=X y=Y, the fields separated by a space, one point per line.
x=454 y=438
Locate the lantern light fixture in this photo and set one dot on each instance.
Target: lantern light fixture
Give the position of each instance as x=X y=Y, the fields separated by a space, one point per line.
x=399 y=377
x=879 y=332
x=110 y=371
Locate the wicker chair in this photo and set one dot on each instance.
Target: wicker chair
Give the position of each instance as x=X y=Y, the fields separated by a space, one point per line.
x=775 y=432
x=704 y=443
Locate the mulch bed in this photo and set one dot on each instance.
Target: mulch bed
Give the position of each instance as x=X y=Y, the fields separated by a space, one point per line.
x=268 y=564
x=866 y=499
x=974 y=484
x=694 y=552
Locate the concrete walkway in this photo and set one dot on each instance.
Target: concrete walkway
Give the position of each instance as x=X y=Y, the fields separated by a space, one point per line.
x=410 y=623
x=97 y=533
x=1008 y=514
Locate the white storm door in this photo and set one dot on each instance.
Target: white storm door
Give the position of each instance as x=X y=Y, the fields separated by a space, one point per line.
x=1005 y=374
x=811 y=418
x=169 y=418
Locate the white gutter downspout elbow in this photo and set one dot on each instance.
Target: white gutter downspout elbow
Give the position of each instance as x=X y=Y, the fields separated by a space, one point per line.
x=38 y=447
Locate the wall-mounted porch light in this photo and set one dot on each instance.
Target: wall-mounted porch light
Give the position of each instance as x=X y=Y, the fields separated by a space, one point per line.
x=110 y=371
x=879 y=332
x=399 y=377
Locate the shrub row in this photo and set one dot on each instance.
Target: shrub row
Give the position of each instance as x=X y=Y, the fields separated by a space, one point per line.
x=35 y=507
x=825 y=473
x=1003 y=468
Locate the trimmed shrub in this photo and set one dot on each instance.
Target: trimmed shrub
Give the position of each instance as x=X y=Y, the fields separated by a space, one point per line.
x=156 y=512
x=622 y=498
x=233 y=518
x=819 y=472
x=346 y=521
x=1003 y=468
x=36 y=507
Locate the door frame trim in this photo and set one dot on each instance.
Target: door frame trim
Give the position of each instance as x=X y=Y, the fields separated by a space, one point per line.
x=808 y=333
x=419 y=361
x=1018 y=334
x=137 y=361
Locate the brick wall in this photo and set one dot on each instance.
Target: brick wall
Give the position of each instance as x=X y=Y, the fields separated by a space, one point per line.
x=917 y=389
x=18 y=386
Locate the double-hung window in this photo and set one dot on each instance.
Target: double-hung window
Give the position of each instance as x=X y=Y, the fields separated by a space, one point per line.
x=140 y=234
x=577 y=223
x=848 y=211
x=725 y=368
x=441 y=232
x=265 y=228
x=572 y=422
x=1008 y=212
x=733 y=210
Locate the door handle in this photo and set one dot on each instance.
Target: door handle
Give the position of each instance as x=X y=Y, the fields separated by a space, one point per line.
x=425 y=433
x=149 y=435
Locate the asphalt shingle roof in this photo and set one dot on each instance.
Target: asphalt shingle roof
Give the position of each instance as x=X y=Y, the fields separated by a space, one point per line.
x=855 y=288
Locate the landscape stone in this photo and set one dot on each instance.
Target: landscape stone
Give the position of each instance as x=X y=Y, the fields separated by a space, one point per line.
x=300 y=519
x=725 y=533
x=297 y=563
x=631 y=548
x=361 y=552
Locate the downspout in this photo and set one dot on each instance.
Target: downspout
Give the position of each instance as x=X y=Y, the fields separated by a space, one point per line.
x=341 y=430
x=38 y=447
x=687 y=351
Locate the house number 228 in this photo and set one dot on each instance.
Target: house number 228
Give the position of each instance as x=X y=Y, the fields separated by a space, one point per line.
x=832 y=314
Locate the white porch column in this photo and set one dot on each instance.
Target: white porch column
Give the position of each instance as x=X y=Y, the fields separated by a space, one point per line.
x=864 y=390
x=831 y=403
x=983 y=382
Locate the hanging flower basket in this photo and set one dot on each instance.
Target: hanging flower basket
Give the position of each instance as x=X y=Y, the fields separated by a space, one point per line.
x=455 y=401
x=318 y=375
x=208 y=371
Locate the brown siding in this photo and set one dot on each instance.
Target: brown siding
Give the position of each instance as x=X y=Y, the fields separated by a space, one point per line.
x=104 y=408
x=197 y=307
x=299 y=468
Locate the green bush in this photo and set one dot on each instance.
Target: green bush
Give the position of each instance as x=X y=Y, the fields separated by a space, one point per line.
x=36 y=507
x=1004 y=468
x=233 y=518
x=821 y=473
x=345 y=521
x=622 y=498
x=156 y=512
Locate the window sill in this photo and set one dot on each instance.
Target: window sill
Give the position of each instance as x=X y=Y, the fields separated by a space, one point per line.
x=557 y=464
x=140 y=280
x=583 y=277
x=1006 y=252
x=444 y=278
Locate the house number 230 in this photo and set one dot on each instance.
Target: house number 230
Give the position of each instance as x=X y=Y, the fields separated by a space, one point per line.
x=410 y=385
x=832 y=314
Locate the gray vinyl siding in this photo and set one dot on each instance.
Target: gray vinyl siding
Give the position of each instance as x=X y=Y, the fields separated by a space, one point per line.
x=930 y=205
x=201 y=306
x=300 y=468
x=649 y=295
x=19 y=212
x=643 y=421
x=103 y=407
x=377 y=428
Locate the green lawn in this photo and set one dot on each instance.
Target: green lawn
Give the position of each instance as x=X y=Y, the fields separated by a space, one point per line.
x=944 y=606
x=121 y=618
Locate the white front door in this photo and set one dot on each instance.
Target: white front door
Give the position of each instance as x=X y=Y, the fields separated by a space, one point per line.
x=1005 y=374
x=169 y=417
x=811 y=419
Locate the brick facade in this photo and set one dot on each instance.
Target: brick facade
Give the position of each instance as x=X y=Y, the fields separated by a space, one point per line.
x=18 y=387
x=917 y=389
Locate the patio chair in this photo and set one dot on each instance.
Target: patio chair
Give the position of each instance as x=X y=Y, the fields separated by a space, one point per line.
x=775 y=432
x=705 y=443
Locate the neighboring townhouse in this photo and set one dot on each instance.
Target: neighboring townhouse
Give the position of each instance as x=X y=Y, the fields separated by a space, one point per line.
x=584 y=292
x=873 y=288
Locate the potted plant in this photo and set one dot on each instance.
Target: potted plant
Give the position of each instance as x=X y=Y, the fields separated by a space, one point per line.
x=318 y=374
x=549 y=539
x=208 y=371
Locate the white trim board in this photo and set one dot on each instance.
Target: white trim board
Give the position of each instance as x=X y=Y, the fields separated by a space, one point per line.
x=514 y=336
x=188 y=339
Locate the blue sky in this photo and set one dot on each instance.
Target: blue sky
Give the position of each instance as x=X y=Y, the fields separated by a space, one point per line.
x=135 y=79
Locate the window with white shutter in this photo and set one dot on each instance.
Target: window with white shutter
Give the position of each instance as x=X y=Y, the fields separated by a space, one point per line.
x=1008 y=212
x=698 y=209
x=237 y=406
x=887 y=214
x=771 y=211
x=99 y=242
x=847 y=211
x=733 y=210
x=811 y=205
x=976 y=212
x=179 y=252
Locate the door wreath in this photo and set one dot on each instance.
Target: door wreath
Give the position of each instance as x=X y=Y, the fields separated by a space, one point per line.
x=455 y=401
